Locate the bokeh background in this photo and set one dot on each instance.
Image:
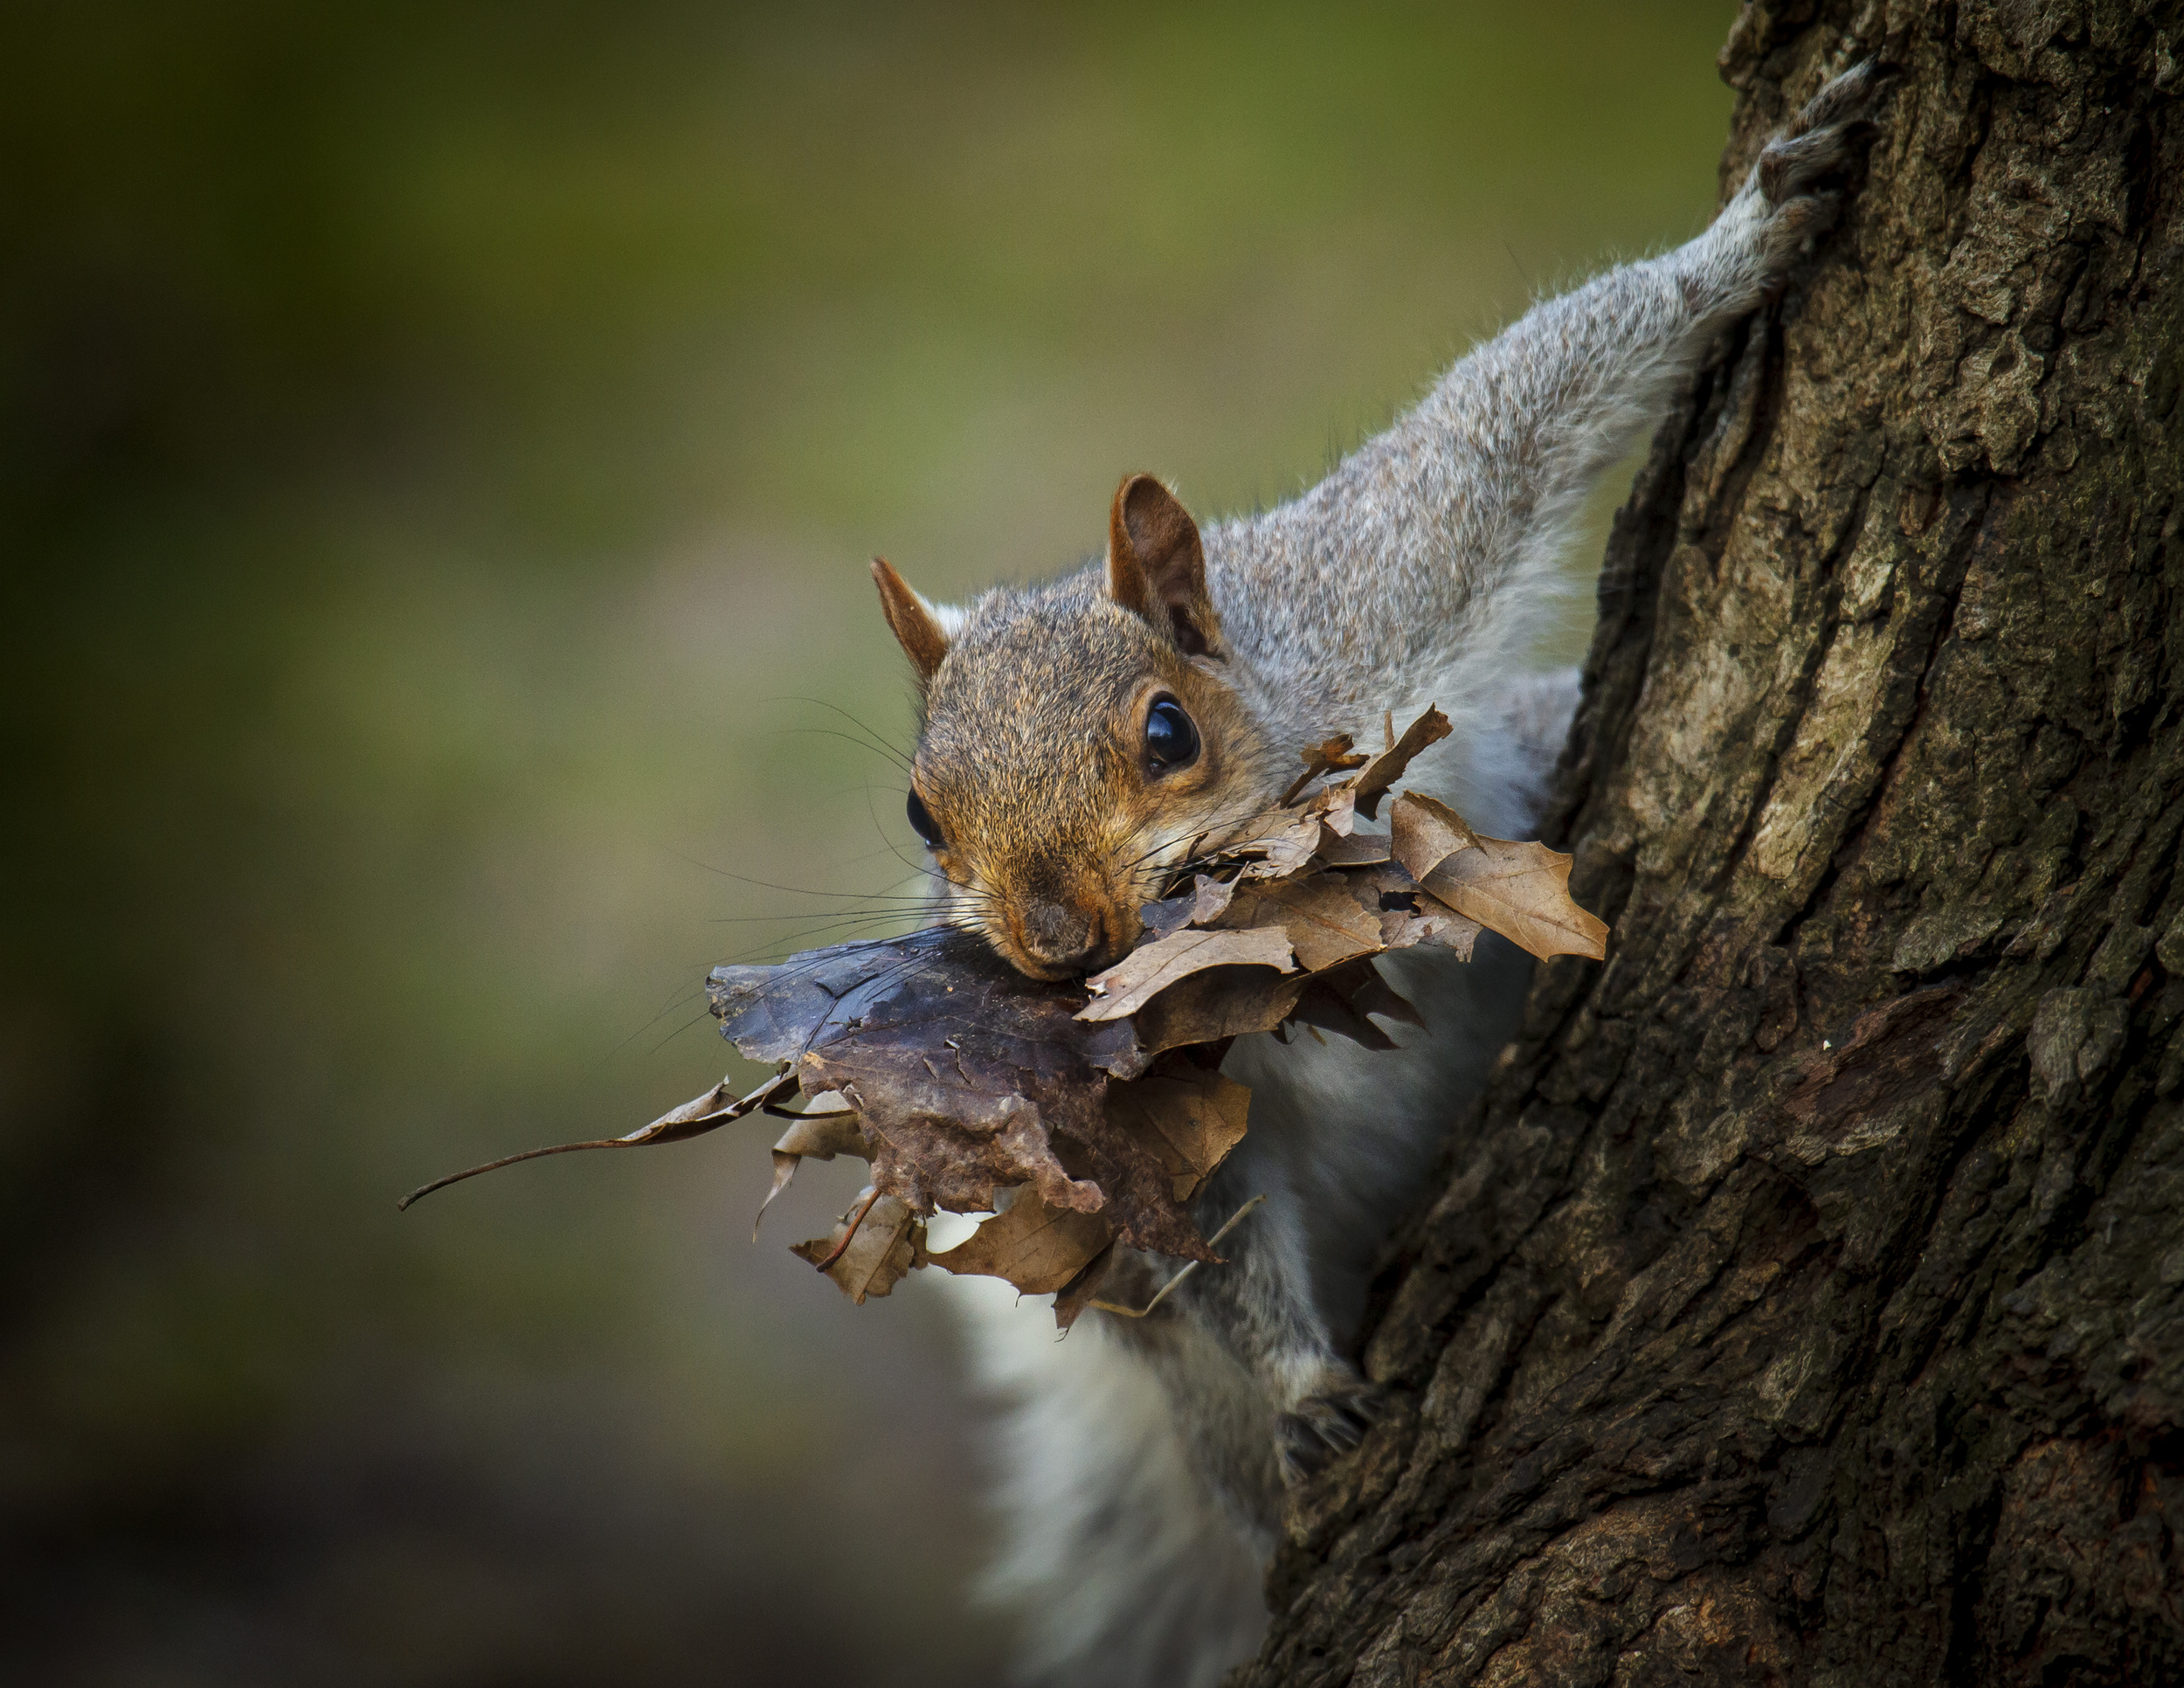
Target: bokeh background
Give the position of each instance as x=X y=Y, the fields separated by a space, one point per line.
x=440 y=448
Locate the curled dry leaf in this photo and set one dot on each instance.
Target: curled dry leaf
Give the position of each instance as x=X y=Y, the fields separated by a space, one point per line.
x=1423 y=834
x=1036 y=1247
x=827 y=1128
x=1199 y=906
x=1523 y=892
x=716 y=1108
x=1075 y=1296
x=1278 y=844
x=870 y=1249
x=1150 y=968
x=967 y=1077
x=1333 y=757
x=1191 y=1117
x=1388 y=767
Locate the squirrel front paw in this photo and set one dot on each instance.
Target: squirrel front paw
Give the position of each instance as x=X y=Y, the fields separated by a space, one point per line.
x=1792 y=196
x=1327 y=1422
x=1813 y=146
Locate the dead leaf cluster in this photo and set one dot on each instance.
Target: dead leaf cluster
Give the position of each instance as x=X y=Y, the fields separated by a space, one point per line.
x=1083 y=1127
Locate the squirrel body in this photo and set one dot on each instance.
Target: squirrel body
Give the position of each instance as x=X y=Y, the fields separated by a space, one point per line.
x=1082 y=738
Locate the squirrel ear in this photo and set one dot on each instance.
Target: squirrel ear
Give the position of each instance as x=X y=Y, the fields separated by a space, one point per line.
x=1156 y=567
x=915 y=627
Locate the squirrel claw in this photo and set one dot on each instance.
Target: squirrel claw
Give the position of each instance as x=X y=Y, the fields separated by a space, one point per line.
x=1325 y=1426
x=1817 y=140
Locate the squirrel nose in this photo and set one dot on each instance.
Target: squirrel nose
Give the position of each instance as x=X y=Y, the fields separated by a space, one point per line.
x=1064 y=939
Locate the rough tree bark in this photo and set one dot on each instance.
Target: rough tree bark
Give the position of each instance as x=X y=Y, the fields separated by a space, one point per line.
x=1806 y=1302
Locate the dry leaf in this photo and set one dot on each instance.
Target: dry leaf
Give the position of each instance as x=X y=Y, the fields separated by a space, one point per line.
x=1208 y=898
x=1074 y=1297
x=872 y=1246
x=695 y=1118
x=959 y=1066
x=1337 y=808
x=1320 y=920
x=1387 y=767
x=1200 y=906
x=1332 y=757
x=1038 y=1247
x=1355 y=850
x=1523 y=892
x=1340 y=999
x=1278 y=845
x=1150 y=968
x=1431 y=922
x=1423 y=834
x=1221 y=1002
x=968 y=1078
x=826 y=1129
x=1191 y=1117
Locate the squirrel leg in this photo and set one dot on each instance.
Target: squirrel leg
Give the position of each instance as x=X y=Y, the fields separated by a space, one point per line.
x=1260 y=1305
x=1456 y=519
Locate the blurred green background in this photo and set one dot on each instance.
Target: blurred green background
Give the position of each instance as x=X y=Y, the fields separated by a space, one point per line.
x=438 y=447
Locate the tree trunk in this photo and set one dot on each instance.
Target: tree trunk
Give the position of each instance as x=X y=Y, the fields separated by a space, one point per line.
x=1806 y=1304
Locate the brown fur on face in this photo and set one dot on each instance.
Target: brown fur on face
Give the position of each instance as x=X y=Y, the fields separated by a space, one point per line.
x=1055 y=827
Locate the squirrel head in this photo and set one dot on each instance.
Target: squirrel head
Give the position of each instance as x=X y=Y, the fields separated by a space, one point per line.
x=1078 y=740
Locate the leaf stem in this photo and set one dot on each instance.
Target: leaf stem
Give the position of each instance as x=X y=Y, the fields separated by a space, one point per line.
x=1190 y=1267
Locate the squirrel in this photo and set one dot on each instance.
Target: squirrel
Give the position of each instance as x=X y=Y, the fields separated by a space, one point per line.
x=1077 y=738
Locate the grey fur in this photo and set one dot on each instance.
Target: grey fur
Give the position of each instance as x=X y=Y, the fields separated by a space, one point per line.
x=1146 y=1460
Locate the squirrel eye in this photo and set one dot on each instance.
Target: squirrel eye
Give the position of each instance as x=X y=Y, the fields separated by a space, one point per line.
x=921 y=822
x=1170 y=740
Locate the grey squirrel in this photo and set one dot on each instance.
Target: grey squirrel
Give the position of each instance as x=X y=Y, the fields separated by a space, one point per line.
x=1078 y=735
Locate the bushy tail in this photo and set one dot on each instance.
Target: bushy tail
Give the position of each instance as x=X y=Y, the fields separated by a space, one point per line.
x=1124 y=1568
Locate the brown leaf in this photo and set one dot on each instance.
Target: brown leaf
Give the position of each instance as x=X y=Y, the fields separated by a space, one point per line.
x=1523 y=892
x=1208 y=898
x=1189 y=1116
x=1150 y=968
x=1423 y=834
x=1407 y=914
x=1387 y=767
x=1432 y=922
x=1356 y=850
x=1336 y=809
x=1200 y=906
x=1221 y=1002
x=1331 y=757
x=716 y=1108
x=827 y=1129
x=1282 y=846
x=960 y=1067
x=1072 y=1299
x=942 y=1144
x=870 y=1247
x=1038 y=1247
x=968 y=1078
x=1317 y=913
x=1340 y=999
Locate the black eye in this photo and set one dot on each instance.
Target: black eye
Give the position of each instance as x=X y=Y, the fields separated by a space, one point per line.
x=1170 y=740
x=921 y=822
